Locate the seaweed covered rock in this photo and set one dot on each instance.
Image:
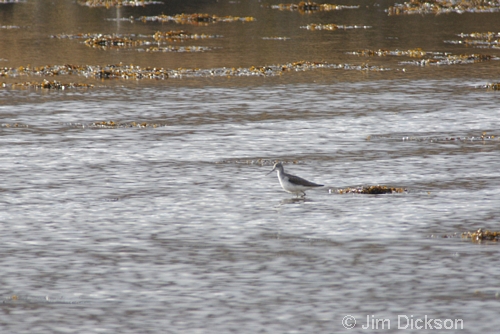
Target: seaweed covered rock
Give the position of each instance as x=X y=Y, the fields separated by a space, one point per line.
x=371 y=190
x=481 y=235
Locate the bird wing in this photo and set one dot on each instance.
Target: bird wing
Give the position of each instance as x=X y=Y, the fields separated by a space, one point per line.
x=304 y=182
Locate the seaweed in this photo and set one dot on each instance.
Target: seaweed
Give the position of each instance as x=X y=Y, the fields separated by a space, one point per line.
x=203 y=19
x=180 y=35
x=171 y=48
x=481 y=235
x=492 y=86
x=427 y=58
x=459 y=139
x=118 y=3
x=116 y=125
x=482 y=40
x=371 y=190
x=14 y=125
x=107 y=41
x=332 y=27
x=117 y=41
x=122 y=71
x=308 y=7
x=45 y=84
x=444 y=7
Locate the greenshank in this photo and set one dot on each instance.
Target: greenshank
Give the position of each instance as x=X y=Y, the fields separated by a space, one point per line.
x=291 y=183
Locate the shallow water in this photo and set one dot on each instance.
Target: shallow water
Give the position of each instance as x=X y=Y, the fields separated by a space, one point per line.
x=177 y=228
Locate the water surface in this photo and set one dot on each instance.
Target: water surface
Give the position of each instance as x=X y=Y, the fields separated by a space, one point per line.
x=175 y=227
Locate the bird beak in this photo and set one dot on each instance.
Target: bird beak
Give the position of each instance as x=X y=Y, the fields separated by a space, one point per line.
x=271 y=171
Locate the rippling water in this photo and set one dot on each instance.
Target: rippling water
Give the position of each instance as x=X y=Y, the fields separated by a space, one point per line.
x=175 y=226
